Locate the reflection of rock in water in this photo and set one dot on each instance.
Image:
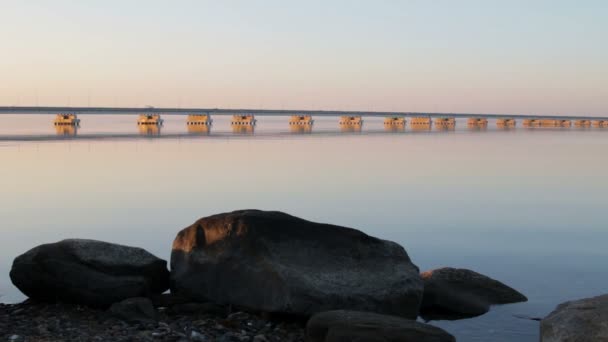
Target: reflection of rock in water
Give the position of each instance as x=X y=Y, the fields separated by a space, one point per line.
x=300 y=129
x=149 y=130
x=244 y=129
x=199 y=129
x=66 y=130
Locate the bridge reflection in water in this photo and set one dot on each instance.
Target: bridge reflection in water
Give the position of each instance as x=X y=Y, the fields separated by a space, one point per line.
x=149 y=130
x=66 y=130
x=199 y=129
x=245 y=129
x=300 y=129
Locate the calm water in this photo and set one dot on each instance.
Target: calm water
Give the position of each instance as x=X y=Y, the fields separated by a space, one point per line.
x=527 y=207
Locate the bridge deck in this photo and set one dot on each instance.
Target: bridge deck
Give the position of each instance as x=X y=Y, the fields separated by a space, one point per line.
x=271 y=112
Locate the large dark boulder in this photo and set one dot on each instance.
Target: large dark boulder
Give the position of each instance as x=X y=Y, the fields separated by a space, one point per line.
x=584 y=320
x=135 y=310
x=89 y=272
x=342 y=326
x=278 y=263
x=452 y=293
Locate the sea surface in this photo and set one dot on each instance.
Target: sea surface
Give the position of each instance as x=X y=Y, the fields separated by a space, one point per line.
x=525 y=206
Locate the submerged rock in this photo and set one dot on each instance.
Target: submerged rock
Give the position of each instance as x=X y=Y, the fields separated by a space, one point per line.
x=278 y=263
x=88 y=272
x=584 y=320
x=451 y=293
x=341 y=325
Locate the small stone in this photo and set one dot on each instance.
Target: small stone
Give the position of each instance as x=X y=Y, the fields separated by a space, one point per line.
x=14 y=338
x=196 y=336
x=260 y=338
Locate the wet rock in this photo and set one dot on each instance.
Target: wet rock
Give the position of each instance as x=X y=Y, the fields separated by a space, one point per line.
x=584 y=320
x=274 y=262
x=451 y=293
x=88 y=272
x=340 y=325
x=134 y=310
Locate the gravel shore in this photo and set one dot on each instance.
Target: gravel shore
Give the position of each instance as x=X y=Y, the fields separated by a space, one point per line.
x=31 y=321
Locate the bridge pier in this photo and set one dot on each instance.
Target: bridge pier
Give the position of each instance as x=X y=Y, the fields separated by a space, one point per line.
x=505 y=123
x=351 y=121
x=600 y=123
x=149 y=120
x=531 y=123
x=445 y=124
x=395 y=121
x=199 y=119
x=243 y=120
x=301 y=120
x=395 y=124
x=421 y=123
x=554 y=123
x=66 y=120
x=477 y=122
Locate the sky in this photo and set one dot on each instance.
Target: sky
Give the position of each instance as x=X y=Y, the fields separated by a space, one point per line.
x=517 y=57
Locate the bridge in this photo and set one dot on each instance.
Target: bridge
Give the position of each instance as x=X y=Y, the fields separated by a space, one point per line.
x=199 y=120
x=271 y=112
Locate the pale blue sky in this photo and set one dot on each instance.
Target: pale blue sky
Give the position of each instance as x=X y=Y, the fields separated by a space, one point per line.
x=451 y=56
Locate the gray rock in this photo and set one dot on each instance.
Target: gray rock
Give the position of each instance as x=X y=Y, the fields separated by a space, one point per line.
x=274 y=262
x=341 y=325
x=451 y=293
x=134 y=310
x=584 y=320
x=260 y=338
x=196 y=336
x=88 y=272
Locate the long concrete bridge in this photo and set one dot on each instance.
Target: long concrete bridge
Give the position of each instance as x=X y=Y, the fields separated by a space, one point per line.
x=271 y=112
x=244 y=119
